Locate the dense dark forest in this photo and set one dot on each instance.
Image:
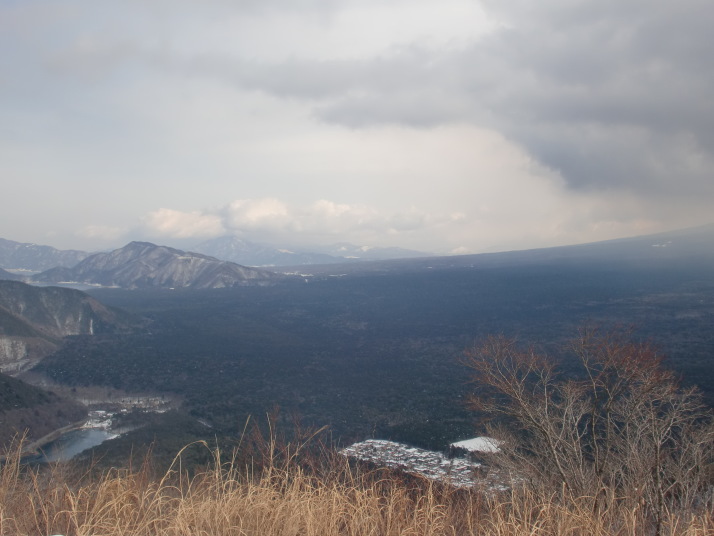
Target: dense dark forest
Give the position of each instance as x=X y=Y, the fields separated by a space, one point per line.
x=378 y=353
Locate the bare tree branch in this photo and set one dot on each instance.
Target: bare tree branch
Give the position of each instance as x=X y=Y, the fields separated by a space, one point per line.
x=625 y=425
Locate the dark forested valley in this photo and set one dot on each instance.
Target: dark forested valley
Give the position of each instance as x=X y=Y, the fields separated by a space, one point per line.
x=376 y=352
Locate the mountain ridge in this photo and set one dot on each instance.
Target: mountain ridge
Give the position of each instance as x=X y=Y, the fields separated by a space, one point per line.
x=242 y=252
x=35 y=258
x=695 y=242
x=147 y=265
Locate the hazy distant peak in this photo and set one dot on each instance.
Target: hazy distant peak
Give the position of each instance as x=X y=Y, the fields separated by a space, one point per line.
x=232 y=248
x=34 y=257
x=368 y=252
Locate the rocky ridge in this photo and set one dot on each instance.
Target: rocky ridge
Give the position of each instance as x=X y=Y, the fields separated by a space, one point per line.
x=33 y=321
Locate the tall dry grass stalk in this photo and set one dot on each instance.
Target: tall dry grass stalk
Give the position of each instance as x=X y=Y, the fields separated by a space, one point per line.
x=288 y=495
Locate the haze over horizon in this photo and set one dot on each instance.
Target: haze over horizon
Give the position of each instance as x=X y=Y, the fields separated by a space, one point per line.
x=451 y=127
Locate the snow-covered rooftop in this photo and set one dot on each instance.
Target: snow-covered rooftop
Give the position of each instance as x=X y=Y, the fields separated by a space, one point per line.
x=434 y=465
x=478 y=444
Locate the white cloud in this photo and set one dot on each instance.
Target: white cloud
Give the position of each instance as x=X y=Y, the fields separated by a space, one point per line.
x=256 y=214
x=267 y=219
x=512 y=212
x=400 y=122
x=176 y=224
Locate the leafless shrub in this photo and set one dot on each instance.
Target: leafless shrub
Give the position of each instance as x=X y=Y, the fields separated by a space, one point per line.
x=623 y=431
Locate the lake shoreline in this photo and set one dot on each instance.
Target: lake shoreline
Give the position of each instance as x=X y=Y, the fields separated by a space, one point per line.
x=34 y=449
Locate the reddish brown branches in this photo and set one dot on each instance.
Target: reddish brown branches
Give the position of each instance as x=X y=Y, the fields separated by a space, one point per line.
x=623 y=425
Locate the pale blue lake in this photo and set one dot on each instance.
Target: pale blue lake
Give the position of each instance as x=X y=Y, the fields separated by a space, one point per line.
x=72 y=443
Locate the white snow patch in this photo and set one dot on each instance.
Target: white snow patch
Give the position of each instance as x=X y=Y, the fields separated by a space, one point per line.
x=478 y=444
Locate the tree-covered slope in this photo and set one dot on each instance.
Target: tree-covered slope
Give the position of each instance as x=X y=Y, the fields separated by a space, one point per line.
x=33 y=412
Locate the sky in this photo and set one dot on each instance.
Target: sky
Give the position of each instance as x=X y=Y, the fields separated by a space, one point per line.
x=447 y=127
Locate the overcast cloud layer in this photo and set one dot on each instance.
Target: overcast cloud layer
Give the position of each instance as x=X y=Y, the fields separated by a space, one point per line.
x=451 y=126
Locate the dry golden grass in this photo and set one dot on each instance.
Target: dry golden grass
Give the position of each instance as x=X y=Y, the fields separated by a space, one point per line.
x=289 y=498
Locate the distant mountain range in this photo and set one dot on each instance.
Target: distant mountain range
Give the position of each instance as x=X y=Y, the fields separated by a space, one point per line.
x=684 y=245
x=146 y=265
x=141 y=264
x=234 y=249
x=25 y=257
x=33 y=320
x=32 y=257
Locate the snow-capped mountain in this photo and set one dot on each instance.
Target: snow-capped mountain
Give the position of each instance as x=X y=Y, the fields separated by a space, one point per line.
x=146 y=265
x=234 y=249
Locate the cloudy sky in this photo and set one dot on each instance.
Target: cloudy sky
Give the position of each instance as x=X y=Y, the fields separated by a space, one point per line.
x=449 y=126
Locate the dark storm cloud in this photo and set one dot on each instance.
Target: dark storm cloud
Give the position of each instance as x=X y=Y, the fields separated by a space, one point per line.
x=411 y=86
x=610 y=94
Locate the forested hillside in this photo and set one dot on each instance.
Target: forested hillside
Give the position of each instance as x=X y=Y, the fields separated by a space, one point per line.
x=380 y=354
x=24 y=408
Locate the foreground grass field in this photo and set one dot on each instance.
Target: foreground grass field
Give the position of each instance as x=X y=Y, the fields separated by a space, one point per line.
x=283 y=491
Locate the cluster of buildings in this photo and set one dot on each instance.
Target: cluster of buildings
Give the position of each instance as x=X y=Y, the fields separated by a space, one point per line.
x=461 y=468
